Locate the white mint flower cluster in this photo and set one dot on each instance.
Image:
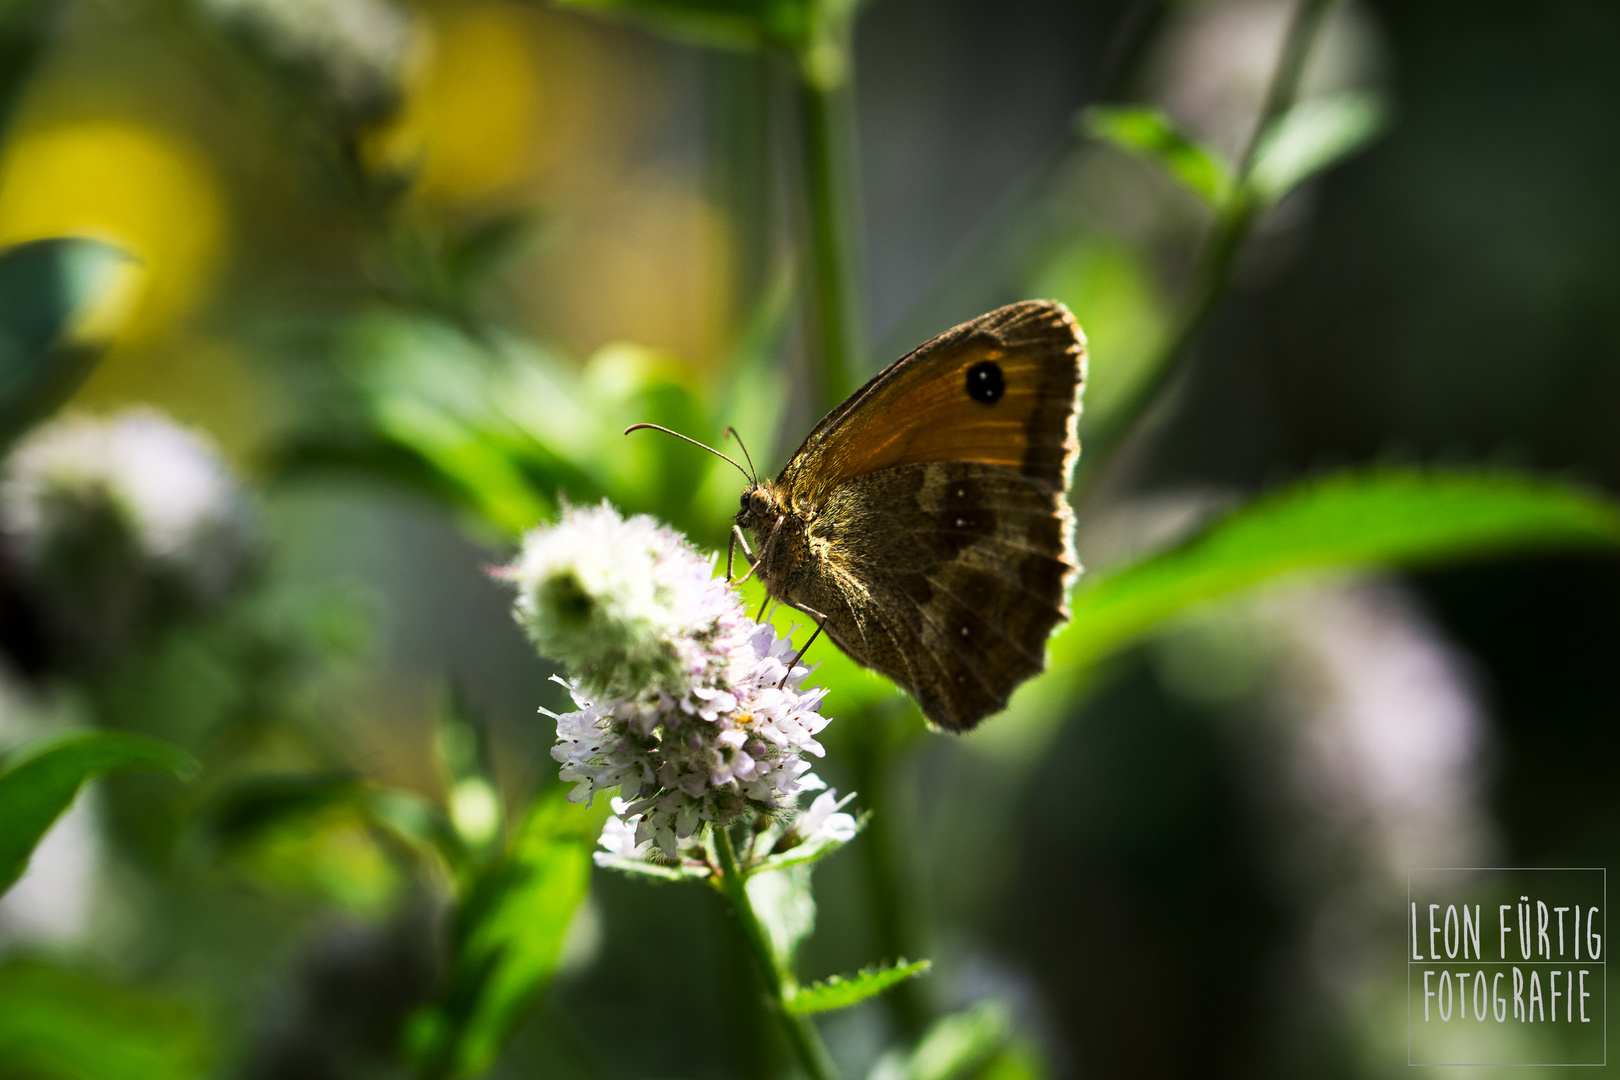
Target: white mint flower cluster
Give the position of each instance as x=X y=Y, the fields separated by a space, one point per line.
x=825 y=822
x=686 y=705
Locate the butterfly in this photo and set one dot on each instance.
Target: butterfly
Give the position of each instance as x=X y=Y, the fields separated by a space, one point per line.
x=924 y=524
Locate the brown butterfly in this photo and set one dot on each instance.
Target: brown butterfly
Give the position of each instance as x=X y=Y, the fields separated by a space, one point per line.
x=925 y=523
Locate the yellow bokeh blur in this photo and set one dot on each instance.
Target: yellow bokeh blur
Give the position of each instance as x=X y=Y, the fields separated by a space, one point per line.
x=647 y=263
x=467 y=129
x=150 y=191
x=513 y=105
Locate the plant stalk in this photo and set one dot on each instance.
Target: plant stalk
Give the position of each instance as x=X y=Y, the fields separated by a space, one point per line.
x=875 y=760
x=800 y=1030
x=827 y=130
x=1233 y=220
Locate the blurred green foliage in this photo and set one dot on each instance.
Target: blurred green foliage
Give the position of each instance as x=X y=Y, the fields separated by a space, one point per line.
x=38 y=784
x=56 y=1024
x=420 y=377
x=1154 y=136
x=507 y=935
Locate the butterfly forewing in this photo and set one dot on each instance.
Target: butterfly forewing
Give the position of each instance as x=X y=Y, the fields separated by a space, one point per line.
x=1002 y=389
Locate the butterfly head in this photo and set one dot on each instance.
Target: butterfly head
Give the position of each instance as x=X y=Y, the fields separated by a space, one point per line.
x=760 y=506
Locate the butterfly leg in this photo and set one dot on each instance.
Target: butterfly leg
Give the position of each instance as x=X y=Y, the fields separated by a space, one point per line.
x=821 y=621
x=736 y=538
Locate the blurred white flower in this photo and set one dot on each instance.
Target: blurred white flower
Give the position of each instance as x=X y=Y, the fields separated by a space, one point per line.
x=1394 y=741
x=107 y=521
x=358 y=47
x=1216 y=61
x=686 y=705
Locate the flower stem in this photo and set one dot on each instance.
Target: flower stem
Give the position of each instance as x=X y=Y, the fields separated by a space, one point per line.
x=1233 y=220
x=827 y=130
x=876 y=758
x=800 y=1031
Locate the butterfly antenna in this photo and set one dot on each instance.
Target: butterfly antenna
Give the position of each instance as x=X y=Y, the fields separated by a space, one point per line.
x=694 y=442
x=731 y=432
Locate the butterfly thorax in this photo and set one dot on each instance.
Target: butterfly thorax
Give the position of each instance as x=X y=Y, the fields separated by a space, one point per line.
x=781 y=537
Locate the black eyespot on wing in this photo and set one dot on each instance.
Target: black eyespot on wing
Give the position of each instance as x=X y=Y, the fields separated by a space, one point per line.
x=985 y=383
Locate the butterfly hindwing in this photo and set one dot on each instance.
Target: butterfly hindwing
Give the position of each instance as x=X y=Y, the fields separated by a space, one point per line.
x=947 y=577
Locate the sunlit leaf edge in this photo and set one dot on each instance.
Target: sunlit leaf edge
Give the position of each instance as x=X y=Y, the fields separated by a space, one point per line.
x=1507 y=513
x=842 y=991
x=1313 y=136
x=1152 y=135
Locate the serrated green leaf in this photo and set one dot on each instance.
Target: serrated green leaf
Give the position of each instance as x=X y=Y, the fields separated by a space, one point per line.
x=41 y=781
x=60 y=300
x=1377 y=518
x=506 y=938
x=954 y=1048
x=1150 y=134
x=840 y=992
x=1314 y=135
x=61 y=1025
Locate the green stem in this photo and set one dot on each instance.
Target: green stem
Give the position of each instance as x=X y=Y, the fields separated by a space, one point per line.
x=1231 y=227
x=800 y=1031
x=827 y=129
x=890 y=912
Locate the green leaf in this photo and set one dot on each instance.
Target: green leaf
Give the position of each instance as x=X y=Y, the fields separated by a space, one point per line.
x=506 y=938
x=806 y=853
x=1314 y=135
x=59 y=1025
x=840 y=992
x=37 y=789
x=60 y=300
x=953 y=1048
x=646 y=868
x=1150 y=134
x=1376 y=518
x=786 y=908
